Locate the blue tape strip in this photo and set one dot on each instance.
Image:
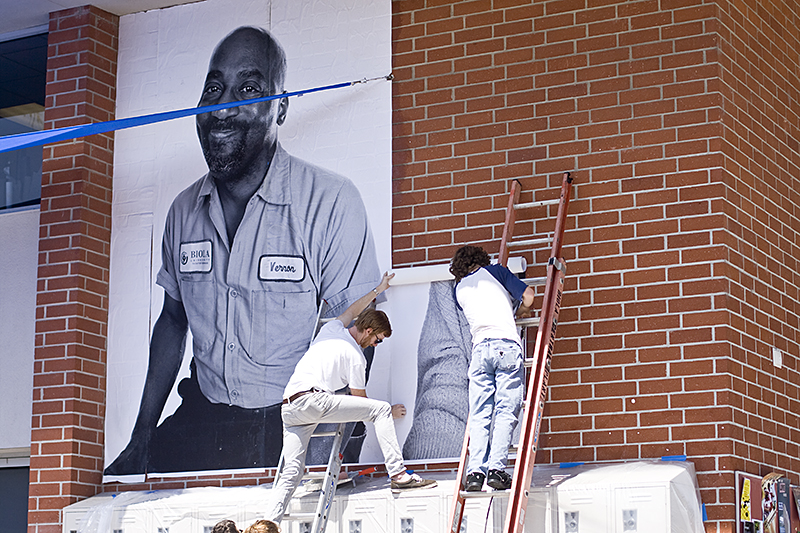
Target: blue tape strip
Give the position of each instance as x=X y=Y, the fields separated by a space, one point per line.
x=568 y=465
x=673 y=458
x=38 y=138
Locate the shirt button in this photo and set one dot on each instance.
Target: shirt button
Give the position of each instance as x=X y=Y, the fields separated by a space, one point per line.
x=231 y=346
x=235 y=393
x=234 y=293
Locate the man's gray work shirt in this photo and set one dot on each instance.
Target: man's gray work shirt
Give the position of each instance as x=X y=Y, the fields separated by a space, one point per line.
x=252 y=310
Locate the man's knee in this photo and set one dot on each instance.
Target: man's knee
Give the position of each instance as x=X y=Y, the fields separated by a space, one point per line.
x=384 y=410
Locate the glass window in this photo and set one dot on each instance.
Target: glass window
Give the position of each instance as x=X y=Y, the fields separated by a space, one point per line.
x=23 y=74
x=14 y=499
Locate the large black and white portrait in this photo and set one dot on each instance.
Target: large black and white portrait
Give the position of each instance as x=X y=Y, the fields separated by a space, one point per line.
x=230 y=229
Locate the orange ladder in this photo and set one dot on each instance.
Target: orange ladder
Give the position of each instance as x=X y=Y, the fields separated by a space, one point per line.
x=540 y=363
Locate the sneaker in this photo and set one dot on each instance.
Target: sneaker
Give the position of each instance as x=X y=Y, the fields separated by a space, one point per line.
x=415 y=482
x=475 y=481
x=499 y=480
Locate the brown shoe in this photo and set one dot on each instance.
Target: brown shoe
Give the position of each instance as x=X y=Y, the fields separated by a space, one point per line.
x=415 y=482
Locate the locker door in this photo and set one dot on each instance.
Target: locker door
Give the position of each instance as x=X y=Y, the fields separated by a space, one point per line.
x=642 y=509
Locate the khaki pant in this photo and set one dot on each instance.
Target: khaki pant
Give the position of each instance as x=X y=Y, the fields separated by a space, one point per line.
x=300 y=419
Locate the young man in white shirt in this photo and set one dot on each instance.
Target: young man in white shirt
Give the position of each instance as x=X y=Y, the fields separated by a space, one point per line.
x=333 y=361
x=496 y=372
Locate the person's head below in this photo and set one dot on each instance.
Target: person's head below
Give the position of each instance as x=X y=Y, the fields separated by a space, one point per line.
x=247 y=63
x=225 y=526
x=263 y=526
x=373 y=326
x=466 y=259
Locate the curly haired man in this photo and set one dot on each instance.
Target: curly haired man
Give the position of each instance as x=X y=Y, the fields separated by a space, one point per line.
x=496 y=372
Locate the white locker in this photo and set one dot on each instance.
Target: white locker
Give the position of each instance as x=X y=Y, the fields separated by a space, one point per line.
x=307 y=504
x=582 y=510
x=420 y=511
x=163 y=517
x=637 y=497
x=364 y=511
x=73 y=514
x=208 y=515
x=641 y=509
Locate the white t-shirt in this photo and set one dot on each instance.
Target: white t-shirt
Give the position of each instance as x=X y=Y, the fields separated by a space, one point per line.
x=486 y=298
x=334 y=360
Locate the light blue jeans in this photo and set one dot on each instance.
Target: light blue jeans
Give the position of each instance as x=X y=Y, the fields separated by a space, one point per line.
x=496 y=381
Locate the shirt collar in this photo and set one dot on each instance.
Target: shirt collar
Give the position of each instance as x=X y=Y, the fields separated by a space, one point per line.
x=275 y=189
x=207 y=186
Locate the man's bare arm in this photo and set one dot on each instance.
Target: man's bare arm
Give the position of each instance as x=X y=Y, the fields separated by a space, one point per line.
x=524 y=310
x=166 y=354
x=359 y=305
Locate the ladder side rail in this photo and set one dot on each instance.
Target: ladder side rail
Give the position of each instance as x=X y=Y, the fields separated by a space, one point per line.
x=534 y=402
x=457 y=509
x=278 y=470
x=329 y=484
x=561 y=217
x=508 y=226
x=318 y=321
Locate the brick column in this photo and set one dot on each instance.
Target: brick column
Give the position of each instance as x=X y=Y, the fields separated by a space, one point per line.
x=72 y=289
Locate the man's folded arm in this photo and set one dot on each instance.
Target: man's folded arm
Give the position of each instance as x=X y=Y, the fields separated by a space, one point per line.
x=350 y=265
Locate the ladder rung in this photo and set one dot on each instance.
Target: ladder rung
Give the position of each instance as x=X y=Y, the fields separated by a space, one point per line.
x=299 y=516
x=482 y=494
x=540 y=203
x=527 y=322
x=529 y=242
x=314 y=474
x=529 y=362
x=325 y=434
x=530 y=282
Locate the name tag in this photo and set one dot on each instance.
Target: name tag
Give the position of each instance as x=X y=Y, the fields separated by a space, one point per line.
x=195 y=257
x=281 y=268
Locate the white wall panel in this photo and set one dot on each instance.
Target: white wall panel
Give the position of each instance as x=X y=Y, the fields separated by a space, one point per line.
x=19 y=245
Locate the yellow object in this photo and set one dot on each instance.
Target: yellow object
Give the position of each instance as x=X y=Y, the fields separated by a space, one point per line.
x=744 y=508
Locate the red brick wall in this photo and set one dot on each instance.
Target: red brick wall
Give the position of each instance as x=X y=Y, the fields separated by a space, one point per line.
x=72 y=290
x=679 y=123
x=759 y=56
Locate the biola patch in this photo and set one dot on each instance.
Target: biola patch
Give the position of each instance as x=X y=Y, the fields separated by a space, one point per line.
x=195 y=257
x=281 y=268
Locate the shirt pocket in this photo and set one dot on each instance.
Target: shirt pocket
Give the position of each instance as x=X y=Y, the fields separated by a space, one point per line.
x=283 y=322
x=200 y=302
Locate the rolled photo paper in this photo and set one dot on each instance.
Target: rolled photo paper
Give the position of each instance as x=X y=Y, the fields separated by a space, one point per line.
x=429 y=273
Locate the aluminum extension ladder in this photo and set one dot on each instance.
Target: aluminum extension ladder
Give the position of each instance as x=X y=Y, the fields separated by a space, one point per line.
x=539 y=364
x=317 y=521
